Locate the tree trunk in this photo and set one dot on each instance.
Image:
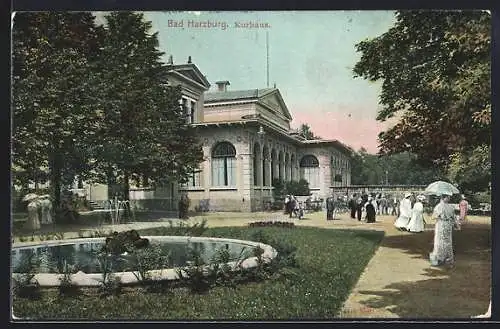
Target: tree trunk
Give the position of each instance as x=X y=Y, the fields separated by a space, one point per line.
x=56 y=180
x=126 y=195
x=126 y=186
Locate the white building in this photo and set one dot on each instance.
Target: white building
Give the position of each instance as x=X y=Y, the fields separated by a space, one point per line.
x=247 y=142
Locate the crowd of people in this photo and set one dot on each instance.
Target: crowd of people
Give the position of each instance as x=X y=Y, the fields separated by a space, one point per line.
x=368 y=205
x=293 y=207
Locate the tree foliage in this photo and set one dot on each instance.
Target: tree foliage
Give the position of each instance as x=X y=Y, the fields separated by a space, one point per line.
x=53 y=95
x=395 y=169
x=471 y=170
x=145 y=132
x=93 y=101
x=435 y=73
x=306 y=132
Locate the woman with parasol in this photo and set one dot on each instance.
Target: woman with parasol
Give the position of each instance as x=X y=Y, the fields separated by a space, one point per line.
x=444 y=215
x=33 y=222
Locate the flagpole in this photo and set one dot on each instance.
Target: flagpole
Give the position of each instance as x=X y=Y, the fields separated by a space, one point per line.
x=267 y=57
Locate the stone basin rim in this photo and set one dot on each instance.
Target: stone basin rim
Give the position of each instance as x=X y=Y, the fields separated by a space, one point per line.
x=93 y=279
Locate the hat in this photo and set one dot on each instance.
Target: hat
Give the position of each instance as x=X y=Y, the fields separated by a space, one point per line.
x=407 y=194
x=421 y=197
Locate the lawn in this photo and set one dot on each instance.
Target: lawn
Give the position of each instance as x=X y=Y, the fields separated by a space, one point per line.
x=329 y=265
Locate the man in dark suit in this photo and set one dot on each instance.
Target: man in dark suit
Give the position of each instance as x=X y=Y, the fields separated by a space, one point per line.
x=330 y=207
x=352 y=206
x=359 y=207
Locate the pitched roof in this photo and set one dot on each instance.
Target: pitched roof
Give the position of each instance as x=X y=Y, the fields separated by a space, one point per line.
x=237 y=94
x=189 y=71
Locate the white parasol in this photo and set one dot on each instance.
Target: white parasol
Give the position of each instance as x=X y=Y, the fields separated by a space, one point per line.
x=441 y=188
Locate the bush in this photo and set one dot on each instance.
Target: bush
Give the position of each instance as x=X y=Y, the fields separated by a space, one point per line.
x=110 y=285
x=24 y=283
x=181 y=229
x=148 y=259
x=66 y=287
x=272 y=224
x=300 y=187
x=194 y=275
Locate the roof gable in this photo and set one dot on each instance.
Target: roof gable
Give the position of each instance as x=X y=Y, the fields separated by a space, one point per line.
x=191 y=72
x=272 y=98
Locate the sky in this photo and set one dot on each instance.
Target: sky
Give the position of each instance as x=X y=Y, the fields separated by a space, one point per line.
x=311 y=56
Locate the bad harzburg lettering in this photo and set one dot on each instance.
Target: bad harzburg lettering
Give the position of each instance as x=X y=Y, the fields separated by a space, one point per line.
x=197 y=24
x=216 y=24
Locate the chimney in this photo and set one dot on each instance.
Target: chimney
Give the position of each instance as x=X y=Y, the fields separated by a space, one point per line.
x=189 y=60
x=222 y=85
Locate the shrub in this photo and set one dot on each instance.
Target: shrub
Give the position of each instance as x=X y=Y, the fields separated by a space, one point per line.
x=24 y=284
x=66 y=287
x=148 y=259
x=193 y=275
x=110 y=285
x=285 y=261
x=223 y=274
x=181 y=229
x=272 y=224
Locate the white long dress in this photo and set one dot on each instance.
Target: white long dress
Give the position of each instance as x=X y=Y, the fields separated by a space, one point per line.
x=404 y=214
x=444 y=213
x=33 y=222
x=46 y=206
x=416 y=223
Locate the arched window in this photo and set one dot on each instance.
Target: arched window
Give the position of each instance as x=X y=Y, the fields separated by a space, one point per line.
x=309 y=166
x=224 y=165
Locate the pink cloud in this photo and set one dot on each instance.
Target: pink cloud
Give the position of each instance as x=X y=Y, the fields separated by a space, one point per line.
x=349 y=124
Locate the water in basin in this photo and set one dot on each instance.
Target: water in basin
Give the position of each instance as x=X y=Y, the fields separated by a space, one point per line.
x=83 y=256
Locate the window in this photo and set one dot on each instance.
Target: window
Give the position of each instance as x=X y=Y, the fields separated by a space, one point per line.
x=310 y=170
x=194 y=178
x=224 y=165
x=188 y=109
x=191 y=112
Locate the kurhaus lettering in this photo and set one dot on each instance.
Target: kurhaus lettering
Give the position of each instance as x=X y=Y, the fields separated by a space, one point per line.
x=252 y=25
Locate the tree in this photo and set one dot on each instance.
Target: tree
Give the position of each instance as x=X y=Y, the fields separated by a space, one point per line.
x=435 y=73
x=144 y=132
x=471 y=170
x=305 y=131
x=300 y=187
x=53 y=95
x=395 y=169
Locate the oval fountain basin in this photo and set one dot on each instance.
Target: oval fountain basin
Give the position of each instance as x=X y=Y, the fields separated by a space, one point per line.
x=54 y=255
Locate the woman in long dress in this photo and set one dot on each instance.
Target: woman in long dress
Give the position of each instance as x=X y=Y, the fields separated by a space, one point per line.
x=416 y=223
x=444 y=215
x=464 y=208
x=404 y=213
x=370 y=208
x=33 y=222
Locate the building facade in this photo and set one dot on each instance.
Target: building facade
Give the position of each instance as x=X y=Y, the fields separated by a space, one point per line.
x=247 y=143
